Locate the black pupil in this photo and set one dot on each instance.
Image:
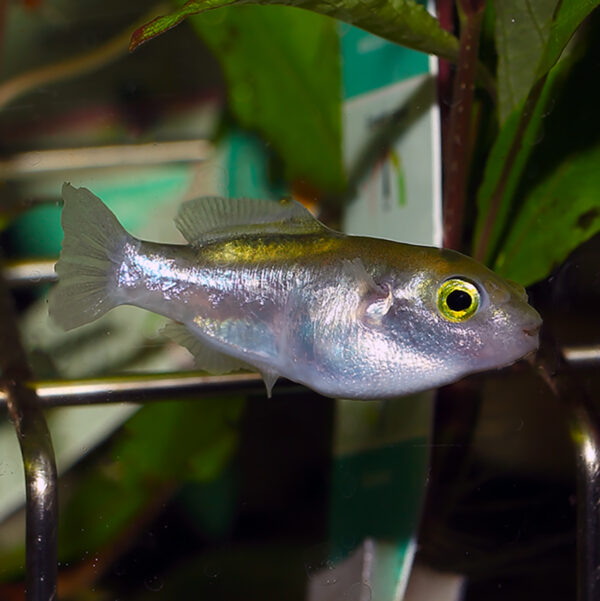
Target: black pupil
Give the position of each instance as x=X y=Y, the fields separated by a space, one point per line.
x=459 y=300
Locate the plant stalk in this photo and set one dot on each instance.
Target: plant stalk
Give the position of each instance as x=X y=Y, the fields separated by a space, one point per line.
x=458 y=144
x=71 y=67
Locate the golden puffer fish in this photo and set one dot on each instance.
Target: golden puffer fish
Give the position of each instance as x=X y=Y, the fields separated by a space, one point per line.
x=265 y=285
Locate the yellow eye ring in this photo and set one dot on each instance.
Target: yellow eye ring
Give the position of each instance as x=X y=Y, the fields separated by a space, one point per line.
x=458 y=300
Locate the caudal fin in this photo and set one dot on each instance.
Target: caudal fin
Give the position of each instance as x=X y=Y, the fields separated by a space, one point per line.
x=92 y=247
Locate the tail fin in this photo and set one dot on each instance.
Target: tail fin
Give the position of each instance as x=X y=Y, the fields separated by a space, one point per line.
x=93 y=245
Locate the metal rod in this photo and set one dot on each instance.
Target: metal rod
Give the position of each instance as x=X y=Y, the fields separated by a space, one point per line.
x=38 y=458
x=584 y=423
x=582 y=355
x=41 y=494
x=27 y=272
x=586 y=436
x=44 y=161
x=145 y=388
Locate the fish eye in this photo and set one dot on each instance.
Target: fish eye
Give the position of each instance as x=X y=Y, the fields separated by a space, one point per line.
x=458 y=300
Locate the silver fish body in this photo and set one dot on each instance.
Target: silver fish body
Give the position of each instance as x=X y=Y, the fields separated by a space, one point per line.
x=266 y=286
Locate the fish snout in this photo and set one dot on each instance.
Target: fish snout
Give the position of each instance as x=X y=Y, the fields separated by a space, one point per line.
x=533 y=330
x=531 y=327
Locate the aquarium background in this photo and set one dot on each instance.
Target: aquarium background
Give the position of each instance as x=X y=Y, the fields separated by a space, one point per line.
x=232 y=495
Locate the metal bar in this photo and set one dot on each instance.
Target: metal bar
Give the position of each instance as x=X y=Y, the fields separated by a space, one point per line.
x=584 y=423
x=582 y=355
x=145 y=388
x=127 y=155
x=586 y=436
x=41 y=495
x=38 y=458
x=28 y=272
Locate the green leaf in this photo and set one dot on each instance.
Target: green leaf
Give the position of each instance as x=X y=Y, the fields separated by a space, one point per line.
x=557 y=216
x=159 y=448
x=284 y=81
x=402 y=21
x=530 y=37
x=522 y=30
x=570 y=15
x=520 y=132
x=504 y=167
x=282 y=68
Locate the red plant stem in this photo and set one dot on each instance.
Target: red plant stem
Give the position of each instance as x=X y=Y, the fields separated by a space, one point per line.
x=445 y=11
x=3 y=7
x=457 y=146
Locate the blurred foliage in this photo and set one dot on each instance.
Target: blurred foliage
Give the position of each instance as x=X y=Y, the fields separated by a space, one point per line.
x=497 y=201
x=404 y=22
x=162 y=446
x=507 y=160
x=529 y=42
x=294 y=98
x=567 y=200
x=522 y=31
x=504 y=202
x=535 y=201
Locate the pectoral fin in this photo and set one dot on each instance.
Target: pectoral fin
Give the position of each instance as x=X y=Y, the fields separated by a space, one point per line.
x=376 y=299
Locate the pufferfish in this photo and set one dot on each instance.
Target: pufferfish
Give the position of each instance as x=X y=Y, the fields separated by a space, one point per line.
x=264 y=285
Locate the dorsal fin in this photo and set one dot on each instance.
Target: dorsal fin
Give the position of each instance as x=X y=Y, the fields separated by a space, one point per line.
x=211 y=218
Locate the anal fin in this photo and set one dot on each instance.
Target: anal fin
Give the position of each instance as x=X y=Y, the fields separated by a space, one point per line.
x=269 y=377
x=205 y=356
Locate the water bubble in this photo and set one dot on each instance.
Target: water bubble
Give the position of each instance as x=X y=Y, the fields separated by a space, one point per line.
x=211 y=570
x=322 y=572
x=154 y=584
x=320 y=568
x=549 y=107
x=314 y=569
x=316 y=560
x=359 y=591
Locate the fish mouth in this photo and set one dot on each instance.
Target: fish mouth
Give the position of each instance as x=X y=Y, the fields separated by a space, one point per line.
x=532 y=330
